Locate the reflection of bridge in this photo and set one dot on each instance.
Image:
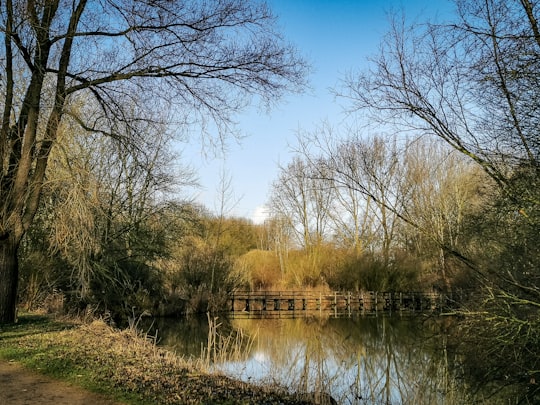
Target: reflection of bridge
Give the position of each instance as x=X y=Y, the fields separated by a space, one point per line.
x=298 y=303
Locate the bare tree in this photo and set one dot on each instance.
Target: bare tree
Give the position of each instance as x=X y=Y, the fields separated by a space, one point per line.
x=389 y=193
x=473 y=83
x=445 y=190
x=368 y=167
x=303 y=201
x=352 y=225
x=203 y=59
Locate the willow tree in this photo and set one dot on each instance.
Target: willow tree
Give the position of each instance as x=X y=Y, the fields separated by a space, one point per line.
x=204 y=59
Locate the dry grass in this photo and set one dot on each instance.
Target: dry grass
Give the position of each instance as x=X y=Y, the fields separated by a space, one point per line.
x=127 y=361
x=221 y=348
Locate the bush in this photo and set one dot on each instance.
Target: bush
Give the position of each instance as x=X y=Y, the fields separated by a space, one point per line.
x=257 y=269
x=369 y=272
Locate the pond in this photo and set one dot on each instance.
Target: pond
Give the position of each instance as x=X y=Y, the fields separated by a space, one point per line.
x=357 y=360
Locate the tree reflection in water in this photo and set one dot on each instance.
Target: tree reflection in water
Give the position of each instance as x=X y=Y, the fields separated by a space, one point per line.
x=363 y=360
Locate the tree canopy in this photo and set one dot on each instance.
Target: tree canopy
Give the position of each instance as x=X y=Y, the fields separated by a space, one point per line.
x=111 y=64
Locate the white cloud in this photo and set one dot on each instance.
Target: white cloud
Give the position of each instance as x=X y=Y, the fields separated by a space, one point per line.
x=260 y=214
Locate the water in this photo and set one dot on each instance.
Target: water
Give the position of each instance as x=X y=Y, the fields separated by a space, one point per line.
x=362 y=360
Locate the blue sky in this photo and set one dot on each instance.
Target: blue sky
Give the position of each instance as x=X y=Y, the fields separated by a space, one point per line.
x=335 y=37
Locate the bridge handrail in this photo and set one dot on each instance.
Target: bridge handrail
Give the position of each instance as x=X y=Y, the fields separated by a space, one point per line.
x=333 y=292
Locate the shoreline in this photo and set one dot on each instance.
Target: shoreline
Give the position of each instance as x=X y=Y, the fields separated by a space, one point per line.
x=124 y=365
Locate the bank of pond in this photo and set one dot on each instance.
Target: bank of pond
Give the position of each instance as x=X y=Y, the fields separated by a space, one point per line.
x=375 y=358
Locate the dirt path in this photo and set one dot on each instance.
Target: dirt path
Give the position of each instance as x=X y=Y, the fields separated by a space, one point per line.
x=19 y=386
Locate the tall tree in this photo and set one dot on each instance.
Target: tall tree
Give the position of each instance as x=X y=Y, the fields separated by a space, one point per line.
x=446 y=189
x=367 y=167
x=474 y=83
x=203 y=59
x=103 y=201
x=303 y=201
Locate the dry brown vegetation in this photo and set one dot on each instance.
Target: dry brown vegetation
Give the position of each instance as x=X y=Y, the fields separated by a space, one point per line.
x=126 y=361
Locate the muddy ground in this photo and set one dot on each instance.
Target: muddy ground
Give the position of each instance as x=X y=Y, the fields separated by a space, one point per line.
x=20 y=386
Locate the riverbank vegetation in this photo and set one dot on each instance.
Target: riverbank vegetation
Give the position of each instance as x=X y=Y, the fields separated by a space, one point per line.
x=125 y=365
x=444 y=193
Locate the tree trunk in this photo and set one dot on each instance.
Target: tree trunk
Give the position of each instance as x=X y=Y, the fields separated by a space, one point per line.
x=9 y=278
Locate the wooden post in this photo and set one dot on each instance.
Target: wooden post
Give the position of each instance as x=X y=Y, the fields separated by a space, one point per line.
x=290 y=304
x=335 y=304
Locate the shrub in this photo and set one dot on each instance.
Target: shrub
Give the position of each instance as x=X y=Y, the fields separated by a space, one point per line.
x=370 y=272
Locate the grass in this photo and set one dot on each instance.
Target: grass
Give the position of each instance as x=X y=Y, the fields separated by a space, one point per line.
x=123 y=364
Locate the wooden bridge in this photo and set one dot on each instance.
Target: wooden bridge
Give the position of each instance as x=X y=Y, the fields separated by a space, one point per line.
x=301 y=303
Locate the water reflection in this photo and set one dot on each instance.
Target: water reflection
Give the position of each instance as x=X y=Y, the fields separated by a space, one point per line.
x=364 y=360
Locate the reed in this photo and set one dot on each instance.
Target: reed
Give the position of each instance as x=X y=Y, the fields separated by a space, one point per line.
x=235 y=345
